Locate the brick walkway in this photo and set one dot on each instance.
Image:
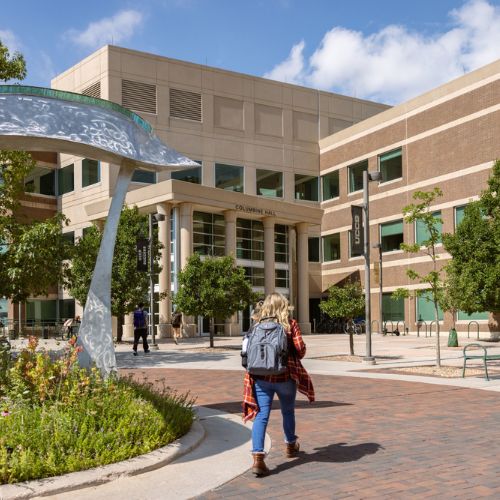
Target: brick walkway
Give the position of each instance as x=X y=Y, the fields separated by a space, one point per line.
x=367 y=439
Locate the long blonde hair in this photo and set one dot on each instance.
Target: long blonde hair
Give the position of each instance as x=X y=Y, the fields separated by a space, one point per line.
x=275 y=306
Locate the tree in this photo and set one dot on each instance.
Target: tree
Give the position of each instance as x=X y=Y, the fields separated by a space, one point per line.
x=31 y=253
x=128 y=286
x=474 y=271
x=213 y=287
x=347 y=301
x=435 y=291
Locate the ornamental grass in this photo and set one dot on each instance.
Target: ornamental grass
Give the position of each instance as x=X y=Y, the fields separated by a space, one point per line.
x=56 y=417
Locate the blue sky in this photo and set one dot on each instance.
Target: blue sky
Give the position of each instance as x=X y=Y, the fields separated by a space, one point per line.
x=383 y=50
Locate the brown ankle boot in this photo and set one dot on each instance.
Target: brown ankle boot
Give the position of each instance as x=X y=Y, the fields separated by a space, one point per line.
x=259 y=467
x=292 y=449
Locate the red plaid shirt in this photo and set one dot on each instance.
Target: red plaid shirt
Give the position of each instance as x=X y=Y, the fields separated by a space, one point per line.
x=295 y=371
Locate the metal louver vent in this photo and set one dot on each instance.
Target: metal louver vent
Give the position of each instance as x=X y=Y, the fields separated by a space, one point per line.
x=93 y=90
x=185 y=104
x=139 y=96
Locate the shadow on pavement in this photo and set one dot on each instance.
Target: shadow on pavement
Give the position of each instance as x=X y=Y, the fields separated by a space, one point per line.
x=235 y=406
x=338 y=452
x=162 y=358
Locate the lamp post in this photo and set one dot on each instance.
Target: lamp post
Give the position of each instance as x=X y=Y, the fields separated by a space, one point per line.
x=381 y=316
x=367 y=177
x=157 y=218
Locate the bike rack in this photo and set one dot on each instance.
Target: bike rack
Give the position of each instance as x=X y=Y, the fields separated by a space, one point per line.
x=385 y=330
x=419 y=325
x=404 y=327
x=430 y=327
x=468 y=328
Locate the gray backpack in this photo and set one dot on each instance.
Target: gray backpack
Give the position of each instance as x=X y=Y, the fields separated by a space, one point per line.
x=266 y=349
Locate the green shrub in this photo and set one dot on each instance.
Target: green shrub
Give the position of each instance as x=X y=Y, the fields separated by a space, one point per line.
x=57 y=418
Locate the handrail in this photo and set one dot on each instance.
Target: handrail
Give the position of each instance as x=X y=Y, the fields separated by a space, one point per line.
x=468 y=328
x=419 y=324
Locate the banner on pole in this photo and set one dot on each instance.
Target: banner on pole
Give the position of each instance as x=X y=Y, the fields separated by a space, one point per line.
x=142 y=255
x=357 y=240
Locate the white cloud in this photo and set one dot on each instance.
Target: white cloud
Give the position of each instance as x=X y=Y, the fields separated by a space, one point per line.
x=110 y=30
x=395 y=63
x=10 y=40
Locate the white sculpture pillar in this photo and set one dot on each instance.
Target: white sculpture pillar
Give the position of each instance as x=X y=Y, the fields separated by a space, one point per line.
x=269 y=272
x=303 y=277
x=165 y=273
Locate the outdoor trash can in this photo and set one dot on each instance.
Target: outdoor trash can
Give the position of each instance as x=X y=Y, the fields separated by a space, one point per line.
x=452 y=338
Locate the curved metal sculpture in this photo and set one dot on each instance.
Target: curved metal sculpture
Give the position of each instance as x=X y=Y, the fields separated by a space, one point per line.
x=41 y=119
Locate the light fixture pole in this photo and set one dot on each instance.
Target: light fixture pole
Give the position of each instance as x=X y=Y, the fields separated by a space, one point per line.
x=152 y=329
x=381 y=316
x=372 y=176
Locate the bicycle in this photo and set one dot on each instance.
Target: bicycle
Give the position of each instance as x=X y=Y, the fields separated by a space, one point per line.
x=352 y=327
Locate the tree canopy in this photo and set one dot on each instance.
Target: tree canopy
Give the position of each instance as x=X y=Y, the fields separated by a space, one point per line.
x=214 y=287
x=128 y=285
x=12 y=67
x=474 y=270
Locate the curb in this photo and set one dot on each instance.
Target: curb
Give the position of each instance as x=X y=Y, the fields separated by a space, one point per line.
x=106 y=473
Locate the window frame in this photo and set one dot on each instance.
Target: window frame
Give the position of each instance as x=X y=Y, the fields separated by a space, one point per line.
x=416 y=225
x=349 y=169
x=323 y=242
x=323 y=185
x=387 y=153
x=281 y=188
x=86 y=160
x=392 y=222
x=311 y=178
x=241 y=168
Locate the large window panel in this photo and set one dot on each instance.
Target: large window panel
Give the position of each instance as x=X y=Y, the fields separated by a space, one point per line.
x=280 y=243
x=459 y=215
x=229 y=177
x=391 y=165
x=91 y=172
x=355 y=174
x=249 y=239
x=269 y=183
x=47 y=184
x=393 y=310
x=331 y=247
x=422 y=234
x=391 y=235
x=255 y=275
x=281 y=278
x=479 y=316
x=192 y=175
x=313 y=246
x=208 y=234
x=66 y=179
x=306 y=187
x=330 y=184
x=144 y=176
x=425 y=308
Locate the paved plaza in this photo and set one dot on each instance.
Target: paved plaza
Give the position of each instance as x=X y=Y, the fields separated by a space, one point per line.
x=368 y=435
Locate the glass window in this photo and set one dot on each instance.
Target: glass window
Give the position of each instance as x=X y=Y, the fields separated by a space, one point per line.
x=41 y=310
x=391 y=165
x=306 y=187
x=392 y=310
x=313 y=246
x=269 y=183
x=280 y=243
x=331 y=247
x=66 y=179
x=66 y=308
x=459 y=215
x=255 y=275
x=391 y=235
x=351 y=254
x=4 y=310
x=355 y=173
x=192 y=175
x=144 y=176
x=229 y=177
x=249 y=239
x=91 y=172
x=422 y=234
x=209 y=235
x=281 y=278
x=330 y=183
x=69 y=237
x=463 y=316
x=425 y=308
x=41 y=181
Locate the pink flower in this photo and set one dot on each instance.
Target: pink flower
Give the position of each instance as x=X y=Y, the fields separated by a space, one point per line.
x=5 y=413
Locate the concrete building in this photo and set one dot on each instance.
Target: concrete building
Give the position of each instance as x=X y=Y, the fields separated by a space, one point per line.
x=280 y=166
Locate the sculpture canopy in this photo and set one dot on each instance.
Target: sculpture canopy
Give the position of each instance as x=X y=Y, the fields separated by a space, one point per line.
x=42 y=119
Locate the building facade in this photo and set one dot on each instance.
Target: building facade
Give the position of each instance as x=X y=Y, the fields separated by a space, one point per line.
x=280 y=167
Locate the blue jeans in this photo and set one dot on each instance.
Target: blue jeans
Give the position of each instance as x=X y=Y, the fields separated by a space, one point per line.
x=264 y=393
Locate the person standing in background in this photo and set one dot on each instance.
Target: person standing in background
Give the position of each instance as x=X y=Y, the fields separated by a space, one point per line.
x=140 y=329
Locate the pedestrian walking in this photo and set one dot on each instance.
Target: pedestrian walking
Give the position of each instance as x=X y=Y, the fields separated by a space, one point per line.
x=259 y=390
x=140 y=328
x=176 y=325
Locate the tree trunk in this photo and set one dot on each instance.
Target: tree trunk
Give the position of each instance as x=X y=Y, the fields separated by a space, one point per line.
x=119 y=327
x=351 y=343
x=211 y=328
x=438 y=345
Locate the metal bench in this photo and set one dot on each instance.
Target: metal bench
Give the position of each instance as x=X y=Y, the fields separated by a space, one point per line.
x=484 y=356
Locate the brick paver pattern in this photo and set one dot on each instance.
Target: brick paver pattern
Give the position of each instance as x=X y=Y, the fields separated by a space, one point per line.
x=366 y=438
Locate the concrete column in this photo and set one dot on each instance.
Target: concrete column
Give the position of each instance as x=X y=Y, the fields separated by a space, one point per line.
x=186 y=233
x=128 y=326
x=292 y=268
x=269 y=274
x=303 y=277
x=186 y=250
x=164 y=277
x=232 y=327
